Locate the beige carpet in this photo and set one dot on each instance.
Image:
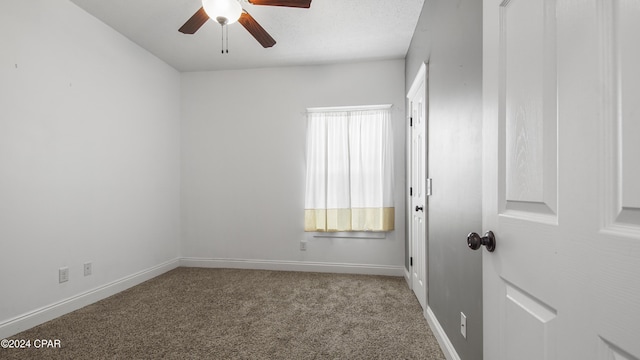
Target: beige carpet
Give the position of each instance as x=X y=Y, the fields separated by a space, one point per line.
x=193 y=313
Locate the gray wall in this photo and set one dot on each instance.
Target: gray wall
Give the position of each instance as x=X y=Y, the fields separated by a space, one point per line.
x=449 y=37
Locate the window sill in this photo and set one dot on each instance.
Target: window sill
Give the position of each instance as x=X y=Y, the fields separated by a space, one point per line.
x=352 y=235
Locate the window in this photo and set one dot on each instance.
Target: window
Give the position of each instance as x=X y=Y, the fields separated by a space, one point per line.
x=349 y=183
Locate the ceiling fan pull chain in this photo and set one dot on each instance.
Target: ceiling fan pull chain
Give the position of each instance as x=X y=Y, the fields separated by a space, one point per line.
x=222 y=39
x=227 y=39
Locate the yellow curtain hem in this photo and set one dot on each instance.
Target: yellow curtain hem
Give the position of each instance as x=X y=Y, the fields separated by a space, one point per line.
x=354 y=219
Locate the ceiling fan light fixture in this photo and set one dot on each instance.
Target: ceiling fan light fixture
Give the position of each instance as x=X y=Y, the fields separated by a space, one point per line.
x=224 y=12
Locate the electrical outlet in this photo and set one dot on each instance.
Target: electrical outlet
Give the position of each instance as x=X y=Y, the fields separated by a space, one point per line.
x=63 y=274
x=303 y=245
x=87 y=269
x=463 y=325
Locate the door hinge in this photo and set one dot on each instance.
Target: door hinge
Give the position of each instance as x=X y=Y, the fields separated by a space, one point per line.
x=411 y=261
x=428 y=186
x=411 y=121
x=411 y=191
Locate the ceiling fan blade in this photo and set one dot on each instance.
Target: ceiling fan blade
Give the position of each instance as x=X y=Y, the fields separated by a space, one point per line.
x=288 y=3
x=195 y=22
x=256 y=30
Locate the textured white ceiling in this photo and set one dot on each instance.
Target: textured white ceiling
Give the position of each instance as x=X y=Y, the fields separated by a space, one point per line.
x=330 y=31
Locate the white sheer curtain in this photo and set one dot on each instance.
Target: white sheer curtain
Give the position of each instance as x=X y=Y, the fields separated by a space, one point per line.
x=349 y=185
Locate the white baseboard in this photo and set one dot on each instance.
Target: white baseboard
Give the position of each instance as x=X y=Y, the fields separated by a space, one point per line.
x=253 y=264
x=50 y=312
x=407 y=278
x=445 y=344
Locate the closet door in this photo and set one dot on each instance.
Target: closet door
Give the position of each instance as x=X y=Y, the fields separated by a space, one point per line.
x=418 y=191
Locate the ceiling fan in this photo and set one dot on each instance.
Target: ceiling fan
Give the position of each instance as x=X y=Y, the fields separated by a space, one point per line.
x=227 y=12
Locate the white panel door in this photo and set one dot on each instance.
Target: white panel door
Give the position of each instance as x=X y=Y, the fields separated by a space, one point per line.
x=417 y=105
x=561 y=176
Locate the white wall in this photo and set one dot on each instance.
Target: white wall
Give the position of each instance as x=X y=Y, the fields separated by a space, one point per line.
x=243 y=165
x=89 y=157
